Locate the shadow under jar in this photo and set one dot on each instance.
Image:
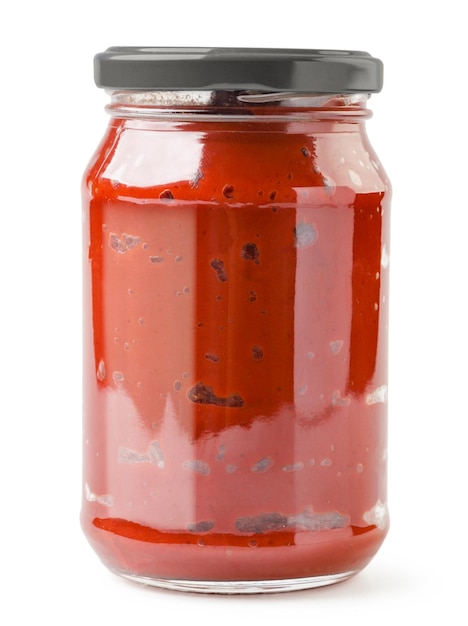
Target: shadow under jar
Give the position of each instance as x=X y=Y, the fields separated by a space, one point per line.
x=236 y=249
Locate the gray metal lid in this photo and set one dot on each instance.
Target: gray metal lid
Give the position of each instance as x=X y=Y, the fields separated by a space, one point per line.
x=239 y=69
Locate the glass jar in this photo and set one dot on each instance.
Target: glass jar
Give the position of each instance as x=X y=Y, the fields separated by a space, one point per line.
x=235 y=320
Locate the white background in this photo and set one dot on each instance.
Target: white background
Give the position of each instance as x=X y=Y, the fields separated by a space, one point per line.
x=52 y=117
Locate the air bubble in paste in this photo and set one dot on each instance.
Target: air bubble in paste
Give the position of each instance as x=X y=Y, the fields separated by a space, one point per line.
x=377 y=515
x=385 y=258
x=305 y=235
x=306 y=520
x=101 y=371
x=118 y=377
x=339 y=400
x=153 y=455
x=197 y=466
x=124 y=243
x=379 y=395
x=293 y=467
x=221 y=452
x=336 y=346
x=200 y=527
x=263 y=465
x=105 y=500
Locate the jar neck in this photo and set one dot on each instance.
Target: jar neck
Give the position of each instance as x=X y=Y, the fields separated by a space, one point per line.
x=217 y=104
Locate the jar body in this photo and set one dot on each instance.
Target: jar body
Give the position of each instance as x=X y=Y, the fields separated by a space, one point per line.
x=235 y=355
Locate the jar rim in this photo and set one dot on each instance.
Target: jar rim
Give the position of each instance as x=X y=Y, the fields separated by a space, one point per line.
x=250 y=69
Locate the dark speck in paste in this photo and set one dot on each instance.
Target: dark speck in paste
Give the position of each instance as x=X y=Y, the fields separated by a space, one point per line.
x=250 y=252
x=257 y=353
x=265 y=522
x=228 y=191
x=166 y=195
x=204 y=394
x=218 y=266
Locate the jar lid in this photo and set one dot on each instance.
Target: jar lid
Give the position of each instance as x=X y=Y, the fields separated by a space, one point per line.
x=239 y=69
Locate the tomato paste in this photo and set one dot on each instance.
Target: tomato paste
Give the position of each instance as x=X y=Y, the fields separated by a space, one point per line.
x=235 y=343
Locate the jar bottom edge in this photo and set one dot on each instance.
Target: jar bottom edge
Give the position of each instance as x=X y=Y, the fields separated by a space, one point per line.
x=239 y=586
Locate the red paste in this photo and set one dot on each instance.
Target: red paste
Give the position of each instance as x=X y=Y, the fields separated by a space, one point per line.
x=235 y=349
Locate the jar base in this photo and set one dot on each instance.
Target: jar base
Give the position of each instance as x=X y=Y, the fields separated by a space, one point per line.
x=240 y=586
